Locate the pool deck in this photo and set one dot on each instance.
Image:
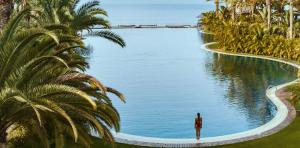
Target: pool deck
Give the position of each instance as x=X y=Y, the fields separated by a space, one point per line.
x=284 y=116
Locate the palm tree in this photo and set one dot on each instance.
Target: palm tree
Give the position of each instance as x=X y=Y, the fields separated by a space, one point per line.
x=291 y=22
x=78 y=18
x=268 y=5
x=217 y=3
x=42 y=88
x=6 y=7
x=233 y=9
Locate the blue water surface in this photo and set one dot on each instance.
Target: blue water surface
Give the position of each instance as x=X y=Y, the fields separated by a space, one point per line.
x=167 y=77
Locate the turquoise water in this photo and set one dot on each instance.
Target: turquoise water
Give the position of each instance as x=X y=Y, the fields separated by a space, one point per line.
x=167 y=78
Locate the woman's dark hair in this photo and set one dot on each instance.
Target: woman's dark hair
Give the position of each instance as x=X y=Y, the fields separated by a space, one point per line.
x=198 y=114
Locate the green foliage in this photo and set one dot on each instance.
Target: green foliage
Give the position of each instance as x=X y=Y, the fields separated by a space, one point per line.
x=245 y=36
x=69 y=14
x=45 y=95
x=295 y=97
x=297 y=106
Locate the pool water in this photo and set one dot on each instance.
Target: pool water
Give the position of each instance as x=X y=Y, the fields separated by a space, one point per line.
x=167 y=78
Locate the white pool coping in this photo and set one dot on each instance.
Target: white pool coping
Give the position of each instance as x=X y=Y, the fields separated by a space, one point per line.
x=264 y=130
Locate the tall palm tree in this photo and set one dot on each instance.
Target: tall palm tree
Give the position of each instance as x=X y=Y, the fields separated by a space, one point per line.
x=78 y=18
x=233 y=8
x=217 y=4
x=252 y=4
x=268 y=5
x=291 y=20
x=6 y=7
x=42 y=88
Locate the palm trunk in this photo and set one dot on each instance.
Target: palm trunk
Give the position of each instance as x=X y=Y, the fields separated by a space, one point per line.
x=253 y=9
x=6 y=7
x=291 y=19
x=268 y=3
x=280 y=11
x=217 y=7
x=233 y=7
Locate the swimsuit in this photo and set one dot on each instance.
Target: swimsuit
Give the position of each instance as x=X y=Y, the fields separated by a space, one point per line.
x=198 y=123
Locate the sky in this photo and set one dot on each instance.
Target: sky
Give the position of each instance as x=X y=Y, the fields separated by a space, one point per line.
x=159 y=12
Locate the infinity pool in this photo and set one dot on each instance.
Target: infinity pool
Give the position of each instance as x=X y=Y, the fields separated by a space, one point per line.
x=167 y=78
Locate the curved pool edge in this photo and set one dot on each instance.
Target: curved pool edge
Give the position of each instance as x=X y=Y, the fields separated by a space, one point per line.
x=284 y=116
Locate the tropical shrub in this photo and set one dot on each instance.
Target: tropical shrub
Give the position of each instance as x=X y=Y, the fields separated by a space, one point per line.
x=294 y=95
x=44 y=92
x=253 y=38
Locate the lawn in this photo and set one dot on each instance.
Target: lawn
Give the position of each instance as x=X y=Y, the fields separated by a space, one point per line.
x=287 y=138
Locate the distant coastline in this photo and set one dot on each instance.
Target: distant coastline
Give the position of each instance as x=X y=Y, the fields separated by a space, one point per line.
x=132 y=26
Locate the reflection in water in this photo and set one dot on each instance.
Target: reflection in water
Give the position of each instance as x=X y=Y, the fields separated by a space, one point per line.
x=206 y=38
x=167 y=78
x=246 y=80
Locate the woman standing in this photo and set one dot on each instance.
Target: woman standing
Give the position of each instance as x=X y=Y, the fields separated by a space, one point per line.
x=198 y=125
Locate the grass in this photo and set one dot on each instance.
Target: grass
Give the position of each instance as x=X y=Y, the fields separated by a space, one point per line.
x=286 y=138
x=213 y=46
